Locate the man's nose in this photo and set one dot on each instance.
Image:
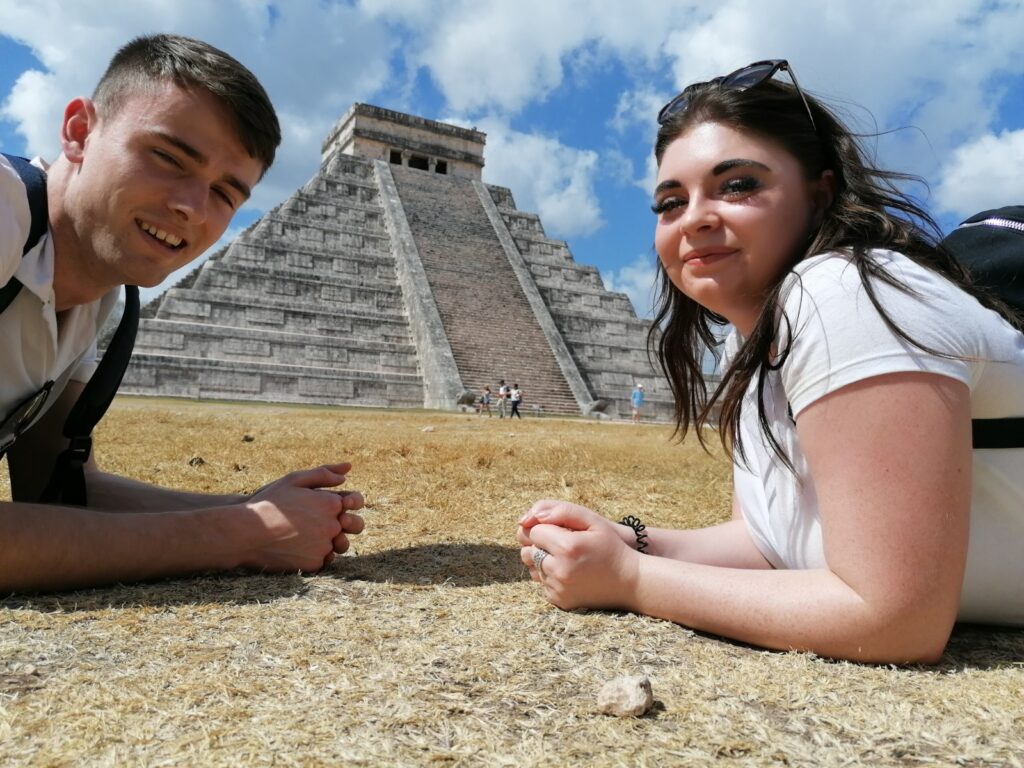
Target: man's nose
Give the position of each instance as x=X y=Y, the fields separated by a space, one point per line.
x=190 y=200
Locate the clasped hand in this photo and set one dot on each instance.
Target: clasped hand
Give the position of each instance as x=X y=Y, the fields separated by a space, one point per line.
x=300 y=522
x=590 y=564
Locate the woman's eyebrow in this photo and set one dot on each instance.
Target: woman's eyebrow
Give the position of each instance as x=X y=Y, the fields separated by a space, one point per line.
x=728 y=165
x=667 y=184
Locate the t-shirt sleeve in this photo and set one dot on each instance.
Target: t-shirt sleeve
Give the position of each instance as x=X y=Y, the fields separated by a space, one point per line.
x=14 y=221
x=832 y=334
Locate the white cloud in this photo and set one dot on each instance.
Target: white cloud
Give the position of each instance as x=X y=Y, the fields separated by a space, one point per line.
x=638 y=108
x=546 y=177
x=492 y=55
x=906 y=66
x=636 y=280
x=983 y=173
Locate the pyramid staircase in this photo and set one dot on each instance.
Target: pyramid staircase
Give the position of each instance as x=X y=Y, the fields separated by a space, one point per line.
x=490 y=325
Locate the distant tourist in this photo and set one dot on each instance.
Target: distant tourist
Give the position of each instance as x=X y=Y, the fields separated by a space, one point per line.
x=515 y=396
x=864 y=523
x=502 y=399
x=485 y=402
x=153 y=168
x=637 y=401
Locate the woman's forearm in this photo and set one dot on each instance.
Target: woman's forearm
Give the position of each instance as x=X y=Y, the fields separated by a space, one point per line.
x=810 y=610
x=727 y=544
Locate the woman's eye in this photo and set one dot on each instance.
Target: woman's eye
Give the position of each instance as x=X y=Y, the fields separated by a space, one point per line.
x=740 y=186
x=668 y=204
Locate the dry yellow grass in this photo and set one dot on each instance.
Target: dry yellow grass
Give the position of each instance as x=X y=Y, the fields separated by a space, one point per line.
x=428 y=645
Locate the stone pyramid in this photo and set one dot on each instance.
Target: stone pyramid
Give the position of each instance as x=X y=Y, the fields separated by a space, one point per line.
x=396 y=278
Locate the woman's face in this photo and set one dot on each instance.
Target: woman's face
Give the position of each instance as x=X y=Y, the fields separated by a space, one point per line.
x=732 y=209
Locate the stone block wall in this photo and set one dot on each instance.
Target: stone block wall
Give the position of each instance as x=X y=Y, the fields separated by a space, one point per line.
x=600 y=327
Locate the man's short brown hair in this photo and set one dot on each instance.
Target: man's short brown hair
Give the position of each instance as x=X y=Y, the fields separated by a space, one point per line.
x=193 y=64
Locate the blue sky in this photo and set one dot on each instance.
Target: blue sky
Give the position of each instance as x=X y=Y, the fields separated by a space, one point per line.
x=567 y=90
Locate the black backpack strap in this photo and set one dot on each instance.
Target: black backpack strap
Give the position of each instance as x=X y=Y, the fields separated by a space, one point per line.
x=67 y=484
x=990 y=245
x=35 y=189
x=998 y=433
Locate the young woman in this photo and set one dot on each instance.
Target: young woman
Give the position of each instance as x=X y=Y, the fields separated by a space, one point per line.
x=863 y=523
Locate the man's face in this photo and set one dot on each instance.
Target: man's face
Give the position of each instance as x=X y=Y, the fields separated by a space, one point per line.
x=157 y=184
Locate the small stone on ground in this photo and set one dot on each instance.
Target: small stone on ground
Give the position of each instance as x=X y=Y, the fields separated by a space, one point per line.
x=629 y=696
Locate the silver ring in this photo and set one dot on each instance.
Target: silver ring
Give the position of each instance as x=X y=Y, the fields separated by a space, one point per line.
x=538 y=559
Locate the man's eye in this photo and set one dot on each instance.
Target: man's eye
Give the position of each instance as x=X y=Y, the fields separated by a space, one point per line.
x=225 y=197
x=668 y=204
x=167 y=157
x=740 y=185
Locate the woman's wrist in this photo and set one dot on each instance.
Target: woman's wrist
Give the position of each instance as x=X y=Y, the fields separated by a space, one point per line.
x=639 y=539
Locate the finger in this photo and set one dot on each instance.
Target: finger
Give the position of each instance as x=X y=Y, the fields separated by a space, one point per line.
x=553 y=538
x=341 y=544
x=319 y=477
x=341 y=468
x=328 y=559
x=571 y=516
x=351 y=523
x=351 y=500
x=523 y=537
x=526 y=555
x=531 y=518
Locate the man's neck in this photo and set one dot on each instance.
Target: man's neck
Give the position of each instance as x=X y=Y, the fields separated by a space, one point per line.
x=73 y=281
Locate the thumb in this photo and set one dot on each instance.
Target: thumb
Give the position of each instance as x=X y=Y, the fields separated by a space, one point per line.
x=326 y=476
x=562 y=514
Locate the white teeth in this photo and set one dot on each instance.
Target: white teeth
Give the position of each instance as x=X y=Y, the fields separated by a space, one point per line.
x=159 y=234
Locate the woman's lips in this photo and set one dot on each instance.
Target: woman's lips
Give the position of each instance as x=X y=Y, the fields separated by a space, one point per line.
x=707 y=255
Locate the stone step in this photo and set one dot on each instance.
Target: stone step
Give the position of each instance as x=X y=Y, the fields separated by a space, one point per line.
x=166 y=375
x=248 y=344
x=475 y=289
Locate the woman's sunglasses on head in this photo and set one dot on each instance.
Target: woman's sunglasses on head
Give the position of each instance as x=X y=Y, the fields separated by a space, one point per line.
x=746 y=77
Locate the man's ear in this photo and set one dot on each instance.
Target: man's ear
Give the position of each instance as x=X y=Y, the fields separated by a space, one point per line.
x=79 y=122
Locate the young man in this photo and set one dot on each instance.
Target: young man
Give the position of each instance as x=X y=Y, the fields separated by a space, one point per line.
x=152 y=169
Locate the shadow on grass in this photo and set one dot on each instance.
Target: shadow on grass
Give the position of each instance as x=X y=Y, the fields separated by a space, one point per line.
x=980 y=646
x=459 y=565
x=232 y=587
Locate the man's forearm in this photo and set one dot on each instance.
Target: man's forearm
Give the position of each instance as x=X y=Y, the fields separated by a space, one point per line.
x=113 y=493
x=46 y=547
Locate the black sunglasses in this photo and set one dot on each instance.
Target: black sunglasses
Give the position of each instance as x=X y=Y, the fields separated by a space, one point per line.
x=21 y=418
x=746 y=77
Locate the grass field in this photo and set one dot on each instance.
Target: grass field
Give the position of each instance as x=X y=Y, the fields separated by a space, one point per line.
x=428 y=645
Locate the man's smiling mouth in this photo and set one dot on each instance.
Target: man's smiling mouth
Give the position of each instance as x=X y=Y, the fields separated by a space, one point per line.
x=165 y=237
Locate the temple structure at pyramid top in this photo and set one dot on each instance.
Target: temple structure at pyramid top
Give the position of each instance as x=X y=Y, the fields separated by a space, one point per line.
x=395 y=277
x=400 y=139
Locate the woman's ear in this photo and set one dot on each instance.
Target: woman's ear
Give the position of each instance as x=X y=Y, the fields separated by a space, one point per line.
x=824 y=192
x=79 y=122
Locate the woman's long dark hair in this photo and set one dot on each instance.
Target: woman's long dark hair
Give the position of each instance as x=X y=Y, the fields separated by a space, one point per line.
x=868 y=211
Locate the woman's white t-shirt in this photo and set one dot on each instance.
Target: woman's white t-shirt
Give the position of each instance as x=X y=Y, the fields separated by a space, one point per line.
x=836 y=337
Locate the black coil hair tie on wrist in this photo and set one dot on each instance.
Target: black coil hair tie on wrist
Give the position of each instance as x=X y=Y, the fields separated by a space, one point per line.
x=631 y=521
